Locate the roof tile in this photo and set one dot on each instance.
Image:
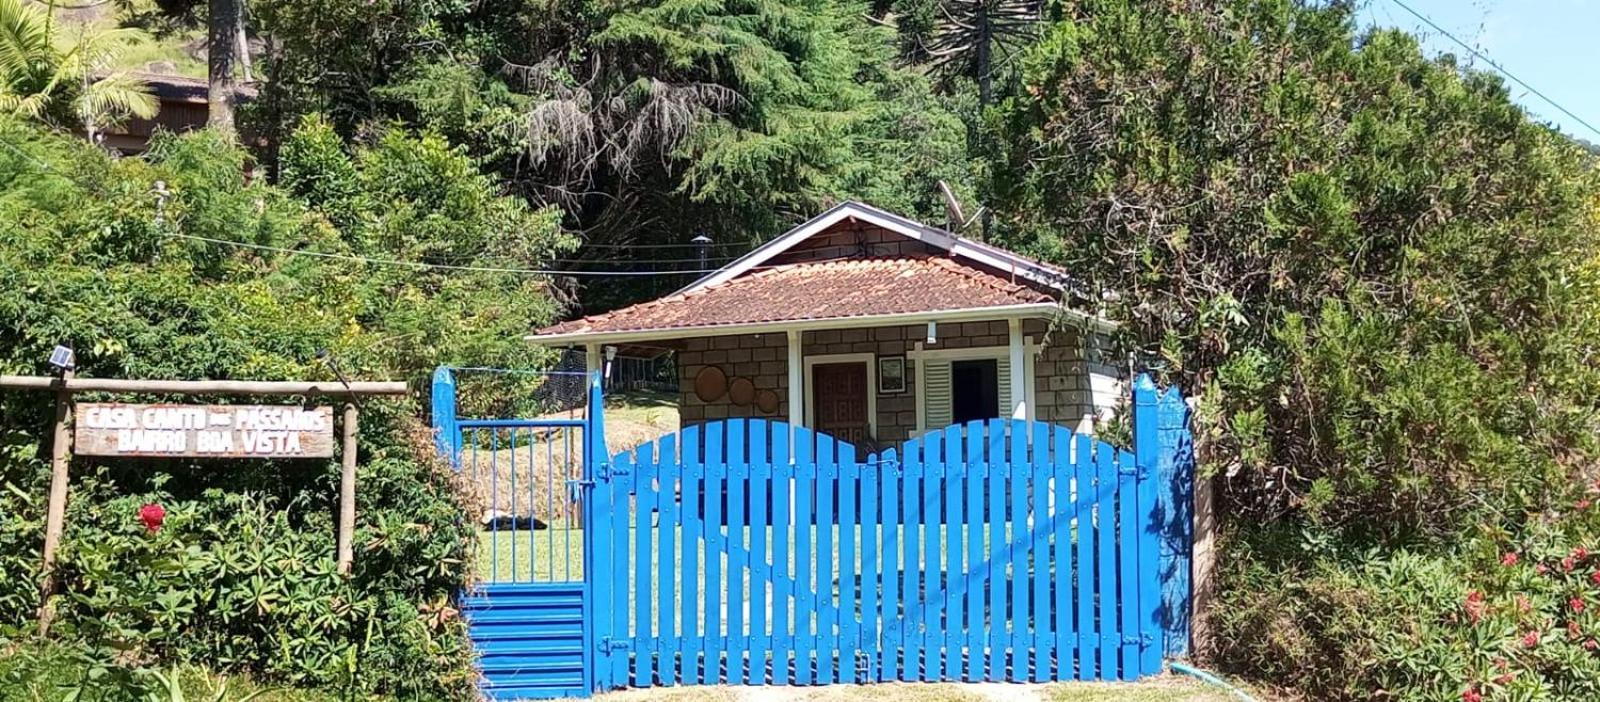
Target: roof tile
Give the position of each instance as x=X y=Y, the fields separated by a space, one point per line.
x=857 y=287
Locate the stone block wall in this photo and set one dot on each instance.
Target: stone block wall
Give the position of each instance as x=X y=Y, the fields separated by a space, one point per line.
x=1062 y=388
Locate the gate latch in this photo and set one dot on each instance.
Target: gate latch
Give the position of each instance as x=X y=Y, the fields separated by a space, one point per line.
x=607 y=644
x=575 y=489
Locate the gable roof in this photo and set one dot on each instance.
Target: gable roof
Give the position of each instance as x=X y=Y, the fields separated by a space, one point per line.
x=849 y=288
x=992 y=256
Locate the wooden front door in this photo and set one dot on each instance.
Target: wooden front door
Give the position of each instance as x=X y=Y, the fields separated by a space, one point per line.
x=839 y=401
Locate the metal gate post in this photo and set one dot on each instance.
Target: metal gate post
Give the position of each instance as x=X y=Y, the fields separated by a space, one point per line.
x=596 y=518
x=446 y=435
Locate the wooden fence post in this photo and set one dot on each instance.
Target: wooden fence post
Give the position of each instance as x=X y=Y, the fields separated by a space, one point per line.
x=347 y=489
x=55 y=517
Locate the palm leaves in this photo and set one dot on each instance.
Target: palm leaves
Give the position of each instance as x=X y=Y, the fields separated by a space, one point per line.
x=43 y=73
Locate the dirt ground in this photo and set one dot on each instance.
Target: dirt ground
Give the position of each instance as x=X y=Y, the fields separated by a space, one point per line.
x=1160 y=689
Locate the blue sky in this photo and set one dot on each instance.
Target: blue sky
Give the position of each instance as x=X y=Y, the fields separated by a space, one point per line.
x=1553 y=45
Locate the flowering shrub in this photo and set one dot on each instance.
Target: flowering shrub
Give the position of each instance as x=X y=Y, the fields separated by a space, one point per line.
x=232 y=566
x=1507 y=615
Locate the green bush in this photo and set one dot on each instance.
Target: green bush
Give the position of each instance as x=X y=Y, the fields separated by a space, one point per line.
x=240 y=578
x=1498 y=617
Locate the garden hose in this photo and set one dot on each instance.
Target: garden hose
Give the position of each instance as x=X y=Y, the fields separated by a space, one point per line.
x=1210 y=679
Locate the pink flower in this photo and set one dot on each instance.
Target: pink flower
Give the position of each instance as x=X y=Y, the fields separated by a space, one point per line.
x=1509 y=559
x=1530 y=639
x=152 y=515
x=1471 y=695
x=1591 y=644
x=1580 y=553
x=1577 y=604
x=1595 y=577
x=1541 y=569
x=1474 y=606
x=1505 y=678
x=1523 y=605
x=1567 y=564
x=1582 y=504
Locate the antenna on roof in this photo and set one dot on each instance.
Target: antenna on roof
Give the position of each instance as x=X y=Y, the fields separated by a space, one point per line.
x=952 y=208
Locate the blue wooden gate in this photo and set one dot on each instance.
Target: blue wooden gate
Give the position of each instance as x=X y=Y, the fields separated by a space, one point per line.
x=753 y=552
x=533 y=477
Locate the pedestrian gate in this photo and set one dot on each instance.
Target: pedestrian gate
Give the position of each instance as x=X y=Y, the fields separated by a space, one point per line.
x=749 y=551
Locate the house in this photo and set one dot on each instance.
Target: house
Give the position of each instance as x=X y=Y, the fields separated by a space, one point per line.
x=183 y=108
x=872 y=328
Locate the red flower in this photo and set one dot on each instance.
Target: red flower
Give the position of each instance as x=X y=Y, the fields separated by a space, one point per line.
x=1591 y=644
x=1530 y=639
x=1577 y=604
x=1505 y=678
x=1580 y=552
x=1567 y=564
x=1471 y=695
x=1509 y=559
x=1595 y=576
x=152 y=515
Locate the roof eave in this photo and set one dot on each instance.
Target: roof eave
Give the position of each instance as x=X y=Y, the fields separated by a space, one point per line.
x=1024 y=310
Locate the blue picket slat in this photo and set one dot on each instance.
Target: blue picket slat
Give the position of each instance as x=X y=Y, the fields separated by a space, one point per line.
x=950 y=484
x=1062 y=468
x=848 y=480
x=782 y=578
x=691 y=590
x=1039 y=618
x=1128 y=564
x=1083 y=515
x=933 y=609
x=669 y=518
x=911 y=573
x=760 y=531
x=827 y=482
x=714 y=467
x=978 y=477
x=644 y=473
x=995 y=577
x=1017 y=617
x=871 y=584
x=889 y=642
x=1106 y=538
x=805 y=604
x=737 y=486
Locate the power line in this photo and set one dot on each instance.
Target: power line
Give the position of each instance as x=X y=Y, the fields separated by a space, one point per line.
x=419 y=264
x=1480 y=55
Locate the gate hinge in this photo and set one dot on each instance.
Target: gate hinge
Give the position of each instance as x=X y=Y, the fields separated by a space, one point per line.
x=607 y=644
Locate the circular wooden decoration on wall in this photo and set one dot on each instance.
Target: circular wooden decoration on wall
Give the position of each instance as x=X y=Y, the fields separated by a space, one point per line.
x=742 y=392
x=710 y=383
x=767 y=401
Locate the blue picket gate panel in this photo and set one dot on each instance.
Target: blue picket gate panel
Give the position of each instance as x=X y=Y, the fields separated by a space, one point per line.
x=752 y=552
x=1001 y=550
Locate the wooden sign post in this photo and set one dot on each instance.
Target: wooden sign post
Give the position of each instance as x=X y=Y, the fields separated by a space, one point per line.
x=194 y=431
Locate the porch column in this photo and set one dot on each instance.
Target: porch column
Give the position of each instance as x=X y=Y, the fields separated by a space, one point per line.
x=1019 y=372
x=591 y=361
x=797 y=379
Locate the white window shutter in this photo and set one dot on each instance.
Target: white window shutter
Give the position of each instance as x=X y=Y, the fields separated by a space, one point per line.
x=1002 y=371
x=936 y=393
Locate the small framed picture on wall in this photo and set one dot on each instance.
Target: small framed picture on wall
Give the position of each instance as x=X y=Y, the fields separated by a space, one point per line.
x=891 y=374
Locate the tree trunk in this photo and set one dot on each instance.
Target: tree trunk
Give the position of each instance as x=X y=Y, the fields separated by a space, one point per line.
x=983 y=65
x=222 y=50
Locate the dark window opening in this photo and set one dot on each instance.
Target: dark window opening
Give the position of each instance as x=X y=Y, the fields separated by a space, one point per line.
x=974 y=390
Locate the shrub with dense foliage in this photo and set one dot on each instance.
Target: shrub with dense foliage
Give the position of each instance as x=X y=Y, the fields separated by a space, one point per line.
x=126 y=260
x=1378 y=275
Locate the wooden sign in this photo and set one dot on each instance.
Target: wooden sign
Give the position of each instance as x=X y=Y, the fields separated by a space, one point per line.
x=203 y=431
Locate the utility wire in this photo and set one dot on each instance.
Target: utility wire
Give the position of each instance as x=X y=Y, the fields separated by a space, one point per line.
x=1480 y=55
x=419 y=264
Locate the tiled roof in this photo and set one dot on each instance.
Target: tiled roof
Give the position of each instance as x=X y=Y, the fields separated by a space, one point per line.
x=825 y=290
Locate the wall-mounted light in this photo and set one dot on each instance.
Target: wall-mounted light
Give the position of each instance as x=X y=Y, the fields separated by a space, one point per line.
x=933 y=332
x=611 y=355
